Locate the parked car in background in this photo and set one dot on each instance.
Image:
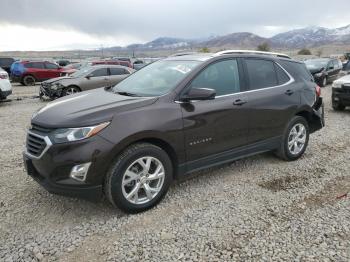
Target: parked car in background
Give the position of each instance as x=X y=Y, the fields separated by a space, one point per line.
x=341 y=93
x=29 y=72
x=324 y=70
x=5 y=85
x=87 y=78
x=5 y=63
x=138 y=64
x=63 y=62
x=171 y=118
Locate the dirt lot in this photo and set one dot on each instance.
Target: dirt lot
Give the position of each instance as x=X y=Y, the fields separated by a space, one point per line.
x=259 y=208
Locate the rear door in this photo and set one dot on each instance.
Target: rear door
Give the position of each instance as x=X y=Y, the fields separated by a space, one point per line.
x=218 y=125
x=97 y=78
x=273 y=97
x=117 y=74
x=52 y=70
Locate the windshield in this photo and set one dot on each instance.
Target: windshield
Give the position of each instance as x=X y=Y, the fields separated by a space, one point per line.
x=317 y=63
x=156 y=79
x=82 y=72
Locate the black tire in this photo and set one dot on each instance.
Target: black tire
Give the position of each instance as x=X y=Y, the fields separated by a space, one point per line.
x=338 y=107
x=283 y=151
x=113 y=187
x=323 y=82
x=70 y=90
x=29 y=80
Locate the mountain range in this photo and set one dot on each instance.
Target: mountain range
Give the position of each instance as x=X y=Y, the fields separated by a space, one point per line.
x=312 y=36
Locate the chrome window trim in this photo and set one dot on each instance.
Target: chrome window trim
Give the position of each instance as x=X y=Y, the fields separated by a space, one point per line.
x=291 y=80
x=48 y=145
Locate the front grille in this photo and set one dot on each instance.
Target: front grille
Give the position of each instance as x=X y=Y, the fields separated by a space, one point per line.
x=41 y=129
x=35 y=145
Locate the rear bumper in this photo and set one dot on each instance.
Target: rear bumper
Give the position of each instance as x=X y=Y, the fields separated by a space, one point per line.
x=317 y=120
x=341 y=96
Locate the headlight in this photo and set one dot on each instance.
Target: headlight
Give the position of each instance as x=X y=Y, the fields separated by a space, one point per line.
x=336 y=84
x=56 y=86
x=74 y=134
x=318 y=75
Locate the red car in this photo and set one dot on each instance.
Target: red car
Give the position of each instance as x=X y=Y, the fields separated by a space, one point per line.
x=29 y=72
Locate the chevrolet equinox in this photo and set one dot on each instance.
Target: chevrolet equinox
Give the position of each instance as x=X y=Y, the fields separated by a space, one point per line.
x=171 y=118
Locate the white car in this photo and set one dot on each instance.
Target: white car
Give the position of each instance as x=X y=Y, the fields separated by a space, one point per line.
x=5 y=85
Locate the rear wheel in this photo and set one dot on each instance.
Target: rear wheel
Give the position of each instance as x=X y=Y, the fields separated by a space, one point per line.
x=139 y=179
x=295 y=139
x=28 y=80
x=70 y=90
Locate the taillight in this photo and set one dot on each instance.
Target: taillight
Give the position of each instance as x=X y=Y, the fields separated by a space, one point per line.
x=318 y=91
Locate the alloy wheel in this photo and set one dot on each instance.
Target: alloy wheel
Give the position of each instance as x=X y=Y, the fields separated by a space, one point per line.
x=71 y=91
x=297 y=138
x=143 y=180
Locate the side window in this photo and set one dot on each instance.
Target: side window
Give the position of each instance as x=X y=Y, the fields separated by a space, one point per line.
x=118 y=71
x=51 y=66
x=261 y=73
x=221 y=76
x=99 y=72
x=297 y=70
x=36 y=65
x=281 y=75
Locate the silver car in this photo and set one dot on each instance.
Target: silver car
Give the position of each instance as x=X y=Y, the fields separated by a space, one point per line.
x=87 y=78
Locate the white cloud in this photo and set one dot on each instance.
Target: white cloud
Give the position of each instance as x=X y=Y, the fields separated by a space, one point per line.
x=22 y=38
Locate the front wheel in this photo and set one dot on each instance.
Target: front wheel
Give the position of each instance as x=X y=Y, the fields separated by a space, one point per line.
x=139 y=179
x=70 y=90
x=295 y=139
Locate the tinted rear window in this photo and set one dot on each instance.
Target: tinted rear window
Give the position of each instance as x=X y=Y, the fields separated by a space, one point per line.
x=36 y=65
x=281 y=75
x=297 y=70
x=261 y=73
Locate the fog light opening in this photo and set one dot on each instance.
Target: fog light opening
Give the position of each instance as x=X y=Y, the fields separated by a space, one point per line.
x=79 y=172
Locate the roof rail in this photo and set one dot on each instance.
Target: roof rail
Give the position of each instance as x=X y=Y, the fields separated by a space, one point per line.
x=228 y=52
x=183 y=54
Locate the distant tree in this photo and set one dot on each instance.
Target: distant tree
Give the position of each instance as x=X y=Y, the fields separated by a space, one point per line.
x=204 y=50
x=304 y=51
x=319 y=52
x=264 y=47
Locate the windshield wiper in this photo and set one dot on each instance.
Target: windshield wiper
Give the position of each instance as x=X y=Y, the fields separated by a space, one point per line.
x=125 y=93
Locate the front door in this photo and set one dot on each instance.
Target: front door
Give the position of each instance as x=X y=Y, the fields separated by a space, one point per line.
x=218 y=125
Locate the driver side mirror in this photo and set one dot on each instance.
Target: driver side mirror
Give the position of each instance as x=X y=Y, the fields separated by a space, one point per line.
x=89 y=76
x=199 y=94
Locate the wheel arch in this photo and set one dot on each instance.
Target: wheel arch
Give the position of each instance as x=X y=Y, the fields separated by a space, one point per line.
x=74 y=85
x=309 y=117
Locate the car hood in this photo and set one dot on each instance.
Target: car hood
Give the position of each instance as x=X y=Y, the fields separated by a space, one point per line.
x=315 y=70
x=53 y=80
x=343 y=80
x=87 y=108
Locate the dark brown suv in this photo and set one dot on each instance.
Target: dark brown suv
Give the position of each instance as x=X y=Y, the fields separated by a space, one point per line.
x=171 y=118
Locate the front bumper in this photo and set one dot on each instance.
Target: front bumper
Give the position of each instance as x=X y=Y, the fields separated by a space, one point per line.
x=52 y=169
x=341 y=96
x=46 y=90
x=4 y=94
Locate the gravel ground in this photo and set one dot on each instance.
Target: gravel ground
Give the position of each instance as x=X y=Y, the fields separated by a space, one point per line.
x=258 y=208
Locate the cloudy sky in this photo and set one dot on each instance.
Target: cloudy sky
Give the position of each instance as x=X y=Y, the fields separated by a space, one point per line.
x=74 y=24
